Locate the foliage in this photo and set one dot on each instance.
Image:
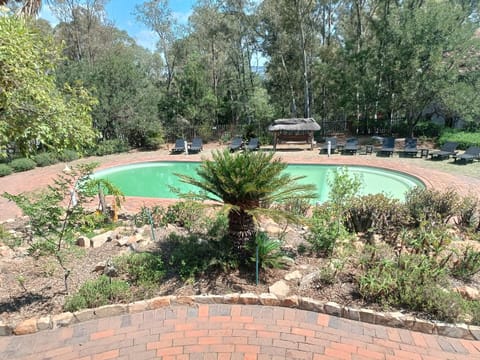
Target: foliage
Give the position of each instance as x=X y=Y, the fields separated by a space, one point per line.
x=325 y=230
x=463 y=138
x=184 y=214
x=22 y=164
x=33 y=110
x=427 y=238
x=467 y=264
x=148 y=215
x=53 y=226
x=431 y=205
x=143 y=268
x=45 y=159
x=270 y=254
x=468 y=213
x=5 y=170
x=98 y=292
x=343 y=188
x=427 y=129
x=67 y=155
x=297 y=206
x=190 y=256
x=247 y=183
x=376 y=214
x=108 y=147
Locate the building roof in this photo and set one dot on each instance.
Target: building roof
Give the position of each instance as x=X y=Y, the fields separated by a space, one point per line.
x=294 y=124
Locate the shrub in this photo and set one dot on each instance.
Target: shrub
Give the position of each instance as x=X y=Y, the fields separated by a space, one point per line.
x=467 y=264
x=296 y=206
x=141 y=268
x=325 y=230
x=427 y=129
x=22 y=164
x=463 y=138
x=98 y=292
x=468 y=212
x=426 y=239
x=153 y=143
x=108 y=147
x=148 y=215
x=185 y=214
x=376 y=214
x=45 y=159
x=68 y=155
x=5 y=170
x=431 y=205
x=270 y=254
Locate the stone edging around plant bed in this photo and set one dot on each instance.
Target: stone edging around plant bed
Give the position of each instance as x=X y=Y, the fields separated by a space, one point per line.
x=392 y=319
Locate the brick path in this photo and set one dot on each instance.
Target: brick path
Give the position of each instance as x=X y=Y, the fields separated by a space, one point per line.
x=219 y=331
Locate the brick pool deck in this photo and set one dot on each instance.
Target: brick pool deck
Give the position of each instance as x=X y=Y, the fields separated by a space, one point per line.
x=222 y=331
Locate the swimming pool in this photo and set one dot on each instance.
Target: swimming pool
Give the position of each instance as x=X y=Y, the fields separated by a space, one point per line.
x=155 y=179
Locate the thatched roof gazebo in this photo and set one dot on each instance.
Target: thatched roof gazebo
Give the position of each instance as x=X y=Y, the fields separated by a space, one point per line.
x=293 y=130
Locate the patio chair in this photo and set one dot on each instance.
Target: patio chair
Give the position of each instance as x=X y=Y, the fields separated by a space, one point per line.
x=388 y=147
x=179 y=146
x=236 y=144
x=472 y=153
x=253 y=144
x=196 y=146
x=351 y=146
x=410 y=147
x=333 y=145
x=448 y=149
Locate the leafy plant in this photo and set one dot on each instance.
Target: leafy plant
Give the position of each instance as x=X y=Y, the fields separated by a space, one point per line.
x=468 y=212
x=431 y=205
x=45 y=159
x=22 y=164
x=67 y=155
x=184 y=214
x=98 y=292
x=5 y=170
x=467 y=264
x=426 y=238
x=146 y=215
x=270 y=254
x=141 y=268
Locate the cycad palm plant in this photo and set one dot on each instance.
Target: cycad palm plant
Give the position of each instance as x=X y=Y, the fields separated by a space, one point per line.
x=248 y=184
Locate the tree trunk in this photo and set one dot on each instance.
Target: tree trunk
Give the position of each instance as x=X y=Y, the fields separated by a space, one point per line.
x=241 y=230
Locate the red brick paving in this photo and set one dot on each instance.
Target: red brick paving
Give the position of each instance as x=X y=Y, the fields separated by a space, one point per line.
x=233 y=331
x=240 y=332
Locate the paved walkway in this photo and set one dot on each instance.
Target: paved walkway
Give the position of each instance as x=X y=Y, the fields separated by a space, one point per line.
x=232 y=332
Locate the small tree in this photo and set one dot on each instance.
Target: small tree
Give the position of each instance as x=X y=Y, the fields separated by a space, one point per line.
x=53 y=226
x=247 y=184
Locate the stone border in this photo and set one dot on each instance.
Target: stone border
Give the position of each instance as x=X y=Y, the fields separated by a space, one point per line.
x=391 y=319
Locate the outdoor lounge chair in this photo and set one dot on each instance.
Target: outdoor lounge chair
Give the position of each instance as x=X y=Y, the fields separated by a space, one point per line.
x=447 y=150
x=253 y=144
x=333 y=145
x=179 y=146
x=197 y=145
x=351 y=146
x=472 y=153
x=388 y=146
x=236 y=144
x=410 y=148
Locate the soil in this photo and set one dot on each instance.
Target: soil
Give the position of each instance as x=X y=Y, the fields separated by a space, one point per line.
x=34 y=287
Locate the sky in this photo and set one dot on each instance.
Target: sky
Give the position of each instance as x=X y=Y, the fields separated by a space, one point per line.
x=120 y=12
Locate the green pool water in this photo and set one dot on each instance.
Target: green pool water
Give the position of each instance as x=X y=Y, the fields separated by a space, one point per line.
x=155 y=179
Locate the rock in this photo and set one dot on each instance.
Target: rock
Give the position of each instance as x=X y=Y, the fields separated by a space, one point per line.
x=83 y=242
x=44 y=323
x=111 y=310
x=268 y=299
x=99 y=267
x=249 y=299
x=308 y=279
x=279 y=289
x=123 y=241
x=273 y=229
x=26 y=327
x=101 y=239
x=5 y=329
x=296 y=275
x=62 y=320
x=468 y=292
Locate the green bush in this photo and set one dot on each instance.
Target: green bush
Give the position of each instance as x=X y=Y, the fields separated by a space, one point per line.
x=467 y=264
x=468 y=213
x=5 y=170
x=431 y=205
x=427 y=238
x=108 y=147
x=68 y=155
x=297 y=206
x=22 y=164
x=45 y=159
x=326 y=228
x=185 y=214
x=427 y=129
x=463 y=138
x=153 y=143
x=141 y=268
x=98 y=292
x=270 y=254
x=376 y=214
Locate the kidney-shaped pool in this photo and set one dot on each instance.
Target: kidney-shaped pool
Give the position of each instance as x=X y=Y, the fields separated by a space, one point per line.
x=156 y=179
